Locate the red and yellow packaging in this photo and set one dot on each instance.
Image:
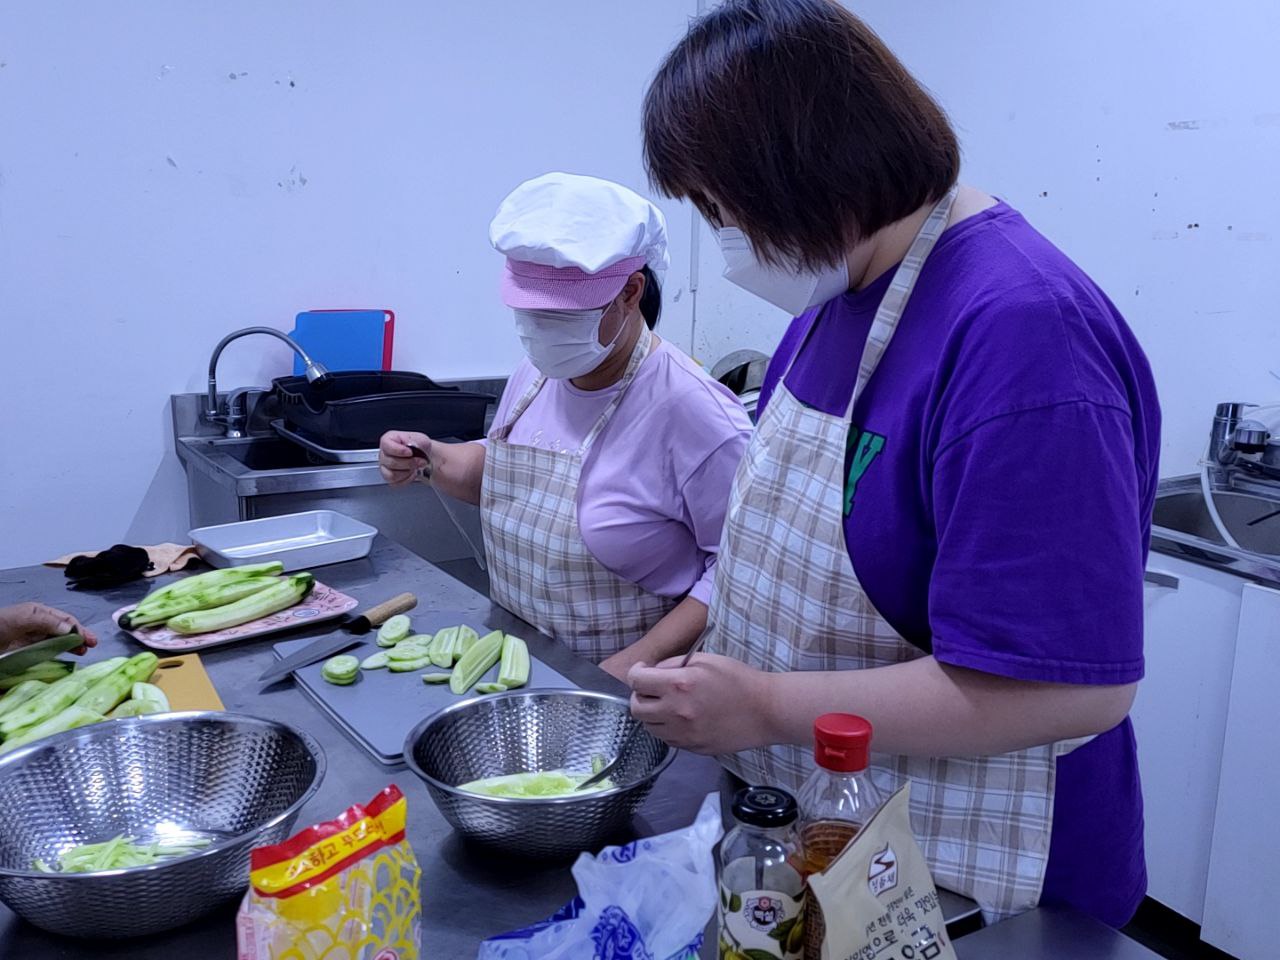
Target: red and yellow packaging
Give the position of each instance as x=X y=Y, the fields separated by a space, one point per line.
x=346 y=889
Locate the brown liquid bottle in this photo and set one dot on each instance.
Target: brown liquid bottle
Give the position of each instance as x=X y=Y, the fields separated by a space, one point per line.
x=835 y=802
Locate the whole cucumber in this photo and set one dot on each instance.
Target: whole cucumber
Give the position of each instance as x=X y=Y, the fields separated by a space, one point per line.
x=214 y=578
x=279 y=596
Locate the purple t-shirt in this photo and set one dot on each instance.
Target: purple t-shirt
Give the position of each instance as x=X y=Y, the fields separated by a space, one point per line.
x=1001 y=474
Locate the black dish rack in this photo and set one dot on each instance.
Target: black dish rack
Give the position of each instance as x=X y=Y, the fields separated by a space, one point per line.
x=354 y=408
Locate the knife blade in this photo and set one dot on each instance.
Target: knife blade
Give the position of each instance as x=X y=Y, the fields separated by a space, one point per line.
x=321 y=649
x=356 y=627
x=16 y=661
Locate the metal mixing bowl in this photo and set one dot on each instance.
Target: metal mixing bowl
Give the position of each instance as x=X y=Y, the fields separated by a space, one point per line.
x=238 y=781
x=521 y=731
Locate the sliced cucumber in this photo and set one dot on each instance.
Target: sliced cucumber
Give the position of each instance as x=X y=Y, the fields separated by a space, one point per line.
x=435 y=678
x=444 y=648
x=410 y=649
x=514 y=667
x=376 y=661
x=394 y=630
x=341 y=670
x=476 y=662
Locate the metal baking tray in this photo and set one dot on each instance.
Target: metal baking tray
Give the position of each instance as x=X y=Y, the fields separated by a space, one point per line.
x=298 y=540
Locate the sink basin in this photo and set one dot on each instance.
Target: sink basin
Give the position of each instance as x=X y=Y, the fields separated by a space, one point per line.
x=266 y=453
x=1254 y=521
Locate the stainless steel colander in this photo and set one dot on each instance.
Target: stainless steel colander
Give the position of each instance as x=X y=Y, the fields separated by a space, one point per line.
x=237 y=781
x=522 y=731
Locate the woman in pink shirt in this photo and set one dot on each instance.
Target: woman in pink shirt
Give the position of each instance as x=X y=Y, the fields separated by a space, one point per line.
x=603 y=484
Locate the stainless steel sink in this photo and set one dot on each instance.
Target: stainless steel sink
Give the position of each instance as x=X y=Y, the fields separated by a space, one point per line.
x=269 y=453
x=258 y=466
x=1253 y=521
x=1250 y=511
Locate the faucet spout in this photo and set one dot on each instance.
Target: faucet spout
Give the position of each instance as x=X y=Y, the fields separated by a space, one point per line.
x=315 y=371
x=1226 y=418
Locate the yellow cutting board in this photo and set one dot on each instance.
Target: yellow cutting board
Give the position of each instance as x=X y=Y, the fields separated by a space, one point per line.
x=186 y=684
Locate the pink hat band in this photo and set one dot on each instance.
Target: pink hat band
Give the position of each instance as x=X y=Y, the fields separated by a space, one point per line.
x=537 y=286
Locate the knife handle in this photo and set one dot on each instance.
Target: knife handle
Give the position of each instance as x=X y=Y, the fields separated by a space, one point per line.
x=383 y=612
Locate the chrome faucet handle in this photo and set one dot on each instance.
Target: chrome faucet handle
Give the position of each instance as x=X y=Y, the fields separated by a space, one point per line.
x=1250 y=436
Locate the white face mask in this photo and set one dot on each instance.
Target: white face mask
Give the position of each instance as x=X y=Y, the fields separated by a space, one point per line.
x=793 y=288
x=564 y=344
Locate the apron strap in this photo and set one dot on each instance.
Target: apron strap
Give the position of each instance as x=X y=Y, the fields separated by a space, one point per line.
x=895 y=299
x=894 y=303
x=502 y=431
x=644 y=343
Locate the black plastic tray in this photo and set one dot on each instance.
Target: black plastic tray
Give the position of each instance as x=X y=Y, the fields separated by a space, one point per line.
x=356 y=407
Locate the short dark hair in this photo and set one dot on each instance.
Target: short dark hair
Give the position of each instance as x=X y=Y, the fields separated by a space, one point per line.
x=795 y=118
x=651 y=298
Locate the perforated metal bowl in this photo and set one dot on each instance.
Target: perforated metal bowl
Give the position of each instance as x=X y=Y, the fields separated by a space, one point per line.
x=521 y=731
x=235 y=780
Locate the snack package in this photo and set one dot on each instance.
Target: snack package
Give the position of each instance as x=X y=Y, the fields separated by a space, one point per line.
x=878 y=896
x=650 y=899
x=347 y=889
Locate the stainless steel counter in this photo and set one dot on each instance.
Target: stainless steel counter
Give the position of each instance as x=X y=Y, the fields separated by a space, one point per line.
x=1050 y=934
x=467 y=894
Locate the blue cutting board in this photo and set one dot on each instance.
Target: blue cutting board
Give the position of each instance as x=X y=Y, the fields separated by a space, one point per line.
x=345 y=339
x=381 y=707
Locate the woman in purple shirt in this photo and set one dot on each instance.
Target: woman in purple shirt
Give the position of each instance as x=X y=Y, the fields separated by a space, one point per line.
x=942 y=520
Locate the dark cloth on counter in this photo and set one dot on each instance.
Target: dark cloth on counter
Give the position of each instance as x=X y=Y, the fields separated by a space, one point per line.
x=116 y=565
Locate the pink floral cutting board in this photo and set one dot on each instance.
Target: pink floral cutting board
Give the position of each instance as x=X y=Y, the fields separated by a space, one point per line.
x=322 y=603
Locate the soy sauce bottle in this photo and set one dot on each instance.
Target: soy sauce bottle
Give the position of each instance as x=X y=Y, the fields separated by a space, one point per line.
x=761 y=890
x=835 y=803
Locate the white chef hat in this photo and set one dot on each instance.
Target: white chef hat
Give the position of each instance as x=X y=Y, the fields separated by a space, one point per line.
x=572 y=241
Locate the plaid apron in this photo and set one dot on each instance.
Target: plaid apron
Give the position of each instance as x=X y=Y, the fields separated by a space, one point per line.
x=539 y=566
x=786 y=598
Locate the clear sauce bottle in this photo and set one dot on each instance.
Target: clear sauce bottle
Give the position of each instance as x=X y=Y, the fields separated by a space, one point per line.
x=761 y=890
x=835 y=802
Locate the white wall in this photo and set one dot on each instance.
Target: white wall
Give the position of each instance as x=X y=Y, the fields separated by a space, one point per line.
x=149 y=202
x=1143 y=139
x=169 y=172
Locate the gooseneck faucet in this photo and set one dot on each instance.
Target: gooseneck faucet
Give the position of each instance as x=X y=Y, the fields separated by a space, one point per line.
x=231 y=420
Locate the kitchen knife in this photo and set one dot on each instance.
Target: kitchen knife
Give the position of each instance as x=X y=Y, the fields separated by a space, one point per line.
x=323 y=648
x=377 y=616
x=328 y=646
x=16 y=661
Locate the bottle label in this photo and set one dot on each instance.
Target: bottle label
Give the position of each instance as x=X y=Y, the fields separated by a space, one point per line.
x=757 y=924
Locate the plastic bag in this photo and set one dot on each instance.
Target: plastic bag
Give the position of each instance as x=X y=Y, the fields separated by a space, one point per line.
x=878 y=897
x=342 y=890
x=649 y=900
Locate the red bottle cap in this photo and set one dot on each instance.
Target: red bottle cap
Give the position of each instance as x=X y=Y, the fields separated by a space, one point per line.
x=842 y=742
